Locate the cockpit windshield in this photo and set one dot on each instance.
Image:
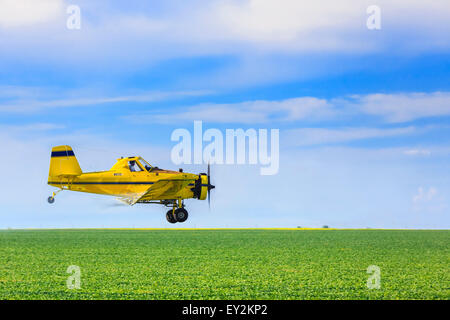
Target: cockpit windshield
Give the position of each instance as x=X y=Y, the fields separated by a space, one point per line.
x=145 y=164
x=134 y=167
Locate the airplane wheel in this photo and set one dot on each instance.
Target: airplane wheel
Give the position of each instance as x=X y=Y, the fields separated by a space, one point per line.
x=181 y=215
x=170 y=218
x=51 y=199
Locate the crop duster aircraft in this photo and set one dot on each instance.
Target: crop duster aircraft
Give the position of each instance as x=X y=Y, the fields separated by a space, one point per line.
x=132 y=180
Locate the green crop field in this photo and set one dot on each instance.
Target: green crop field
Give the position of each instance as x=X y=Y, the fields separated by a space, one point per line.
x=224 y=264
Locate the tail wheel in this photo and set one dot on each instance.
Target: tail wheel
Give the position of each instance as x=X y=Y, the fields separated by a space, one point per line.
x=170 y=218
x=51 y=199
x=181 y=215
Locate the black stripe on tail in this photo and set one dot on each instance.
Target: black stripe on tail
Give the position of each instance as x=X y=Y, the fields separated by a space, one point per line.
x=65 y=153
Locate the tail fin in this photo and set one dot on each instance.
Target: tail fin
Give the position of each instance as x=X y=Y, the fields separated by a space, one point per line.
x=63 y=162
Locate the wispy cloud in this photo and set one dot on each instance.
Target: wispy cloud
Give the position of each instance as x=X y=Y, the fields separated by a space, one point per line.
x=417 y=152
x=22 y=99
x=319 y=136
x=390 y=107
x=424 y=195
x=405 y=107
x=32 y=127
x=260 y=111
x=429 y=200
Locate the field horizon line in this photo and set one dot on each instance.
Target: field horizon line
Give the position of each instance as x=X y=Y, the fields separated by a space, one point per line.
x=221 y=228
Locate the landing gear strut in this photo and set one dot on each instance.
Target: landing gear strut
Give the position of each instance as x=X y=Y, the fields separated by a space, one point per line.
x=178 y=213
x=51 y=199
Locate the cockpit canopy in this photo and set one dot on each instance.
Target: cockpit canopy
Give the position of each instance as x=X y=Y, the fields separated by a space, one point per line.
x=139 y=164
x=133 y=164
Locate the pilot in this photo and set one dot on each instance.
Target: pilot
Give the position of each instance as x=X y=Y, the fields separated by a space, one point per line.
x=132 y=166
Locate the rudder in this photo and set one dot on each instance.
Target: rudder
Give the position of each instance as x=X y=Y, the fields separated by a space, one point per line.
x=63 y=162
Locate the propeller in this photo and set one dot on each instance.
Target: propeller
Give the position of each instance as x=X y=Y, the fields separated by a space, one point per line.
x=210 y=186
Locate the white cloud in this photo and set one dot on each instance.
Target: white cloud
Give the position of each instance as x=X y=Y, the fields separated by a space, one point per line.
x=292 y=24
x=392 y=108
x=259 y=111
x=30 y=128
x=424 y=195
x=23 y=99
x=20 y=13
x=327 y=24
x=417 y=152
x=244 y=28
x=405 y=107
x=318 y=136
x=428 y=200
x=262 y=41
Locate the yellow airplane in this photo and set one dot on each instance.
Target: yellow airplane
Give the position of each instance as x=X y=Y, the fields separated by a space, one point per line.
x=133 y=180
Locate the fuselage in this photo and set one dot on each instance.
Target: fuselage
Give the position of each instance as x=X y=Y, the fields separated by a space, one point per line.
x=121 y=181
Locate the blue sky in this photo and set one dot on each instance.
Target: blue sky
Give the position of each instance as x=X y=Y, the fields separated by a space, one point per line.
x=364 y=115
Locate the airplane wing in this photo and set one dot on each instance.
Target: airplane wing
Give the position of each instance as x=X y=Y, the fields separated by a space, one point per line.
x=161 y=189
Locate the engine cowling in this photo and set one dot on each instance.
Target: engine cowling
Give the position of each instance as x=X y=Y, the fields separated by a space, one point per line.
x=200 y=189
x=204 y=186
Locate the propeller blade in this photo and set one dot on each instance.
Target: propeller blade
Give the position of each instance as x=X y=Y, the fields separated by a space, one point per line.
x=209 y=189
x=209 y=201
x=210 y=186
